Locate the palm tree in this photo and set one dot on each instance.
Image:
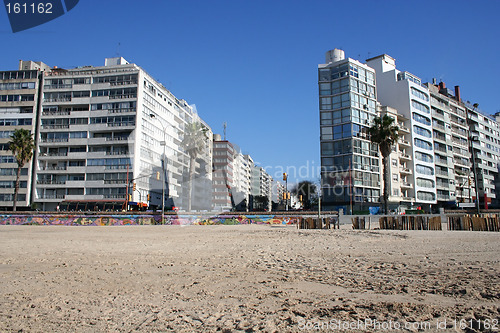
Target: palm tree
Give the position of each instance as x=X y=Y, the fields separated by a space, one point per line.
x=195 y=140
x=22 y=146
x=385 y=134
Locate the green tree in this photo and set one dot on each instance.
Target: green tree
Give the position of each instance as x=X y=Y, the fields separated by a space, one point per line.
x=194 y=142
x=22 y=146
x=385 y=134
x=307 y=190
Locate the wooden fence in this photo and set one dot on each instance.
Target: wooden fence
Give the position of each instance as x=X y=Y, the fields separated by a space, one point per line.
x=318 y=223
x=485 y=222
x=410 y=222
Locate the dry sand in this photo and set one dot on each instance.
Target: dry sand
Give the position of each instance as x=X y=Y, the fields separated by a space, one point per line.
x=245 y=278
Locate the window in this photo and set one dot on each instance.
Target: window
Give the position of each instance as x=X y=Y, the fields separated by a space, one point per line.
x=427 y=196
x=424 y=157
x=326 y=133
x=425 y=183
x=395 y=177
x=422 y=131
x=78 y=135
x=420 y=106
x=424 y=170
x=421 y=119
x=327 y=148
x=394 y=162
x=325 y=103
x=422 y=144
x=419 y=94
x=326 y=118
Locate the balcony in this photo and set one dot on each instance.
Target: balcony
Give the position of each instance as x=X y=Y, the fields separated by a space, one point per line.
x=440 y=137
x=53 y=168
x=407 y=198
x=443 y=197
x=403 y=128
x=459 y=131
x=441 y=161
x=437 y=114
x=405 y=171
x=62 y=126
x=50 y=182
x=121 y=110
x=404 y=155
x=56 y=113
x=52 y=197
x=123 y=96
x=124 y=124
x=54 y=140
x=57 y=86
x=442 y=173
x=406 y=185
x=442 y=185
x=404 y=142
x=438 y=126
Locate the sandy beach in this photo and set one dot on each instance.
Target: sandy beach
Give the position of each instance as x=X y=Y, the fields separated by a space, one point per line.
x=246 y=278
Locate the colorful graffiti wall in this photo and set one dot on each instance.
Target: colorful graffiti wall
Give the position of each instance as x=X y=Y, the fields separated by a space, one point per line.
x=114 y=220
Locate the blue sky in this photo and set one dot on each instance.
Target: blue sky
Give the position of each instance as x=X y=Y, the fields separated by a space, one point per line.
x=253 y=63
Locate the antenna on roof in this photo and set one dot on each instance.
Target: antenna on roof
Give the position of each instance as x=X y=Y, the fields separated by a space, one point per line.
x=118 y=50
x=225 y=126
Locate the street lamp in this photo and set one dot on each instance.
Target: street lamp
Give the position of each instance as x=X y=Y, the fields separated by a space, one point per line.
x=164 y=144
x=473 y=139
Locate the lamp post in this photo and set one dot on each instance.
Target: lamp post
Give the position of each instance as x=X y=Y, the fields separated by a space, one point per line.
x=164 y=143
x=473 y=139
x=285 y=178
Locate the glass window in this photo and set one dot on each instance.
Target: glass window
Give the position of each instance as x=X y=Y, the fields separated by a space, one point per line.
x=422 y=131
x=427 y=196
x=324 y=89
x=424 y=170
x=422 y=144
x=326 y=133
x=326 y=118
x=424 y=157
x=327 y=148
x=419 y=94
x=422 y=182
x=421 y=119
x=420 y=106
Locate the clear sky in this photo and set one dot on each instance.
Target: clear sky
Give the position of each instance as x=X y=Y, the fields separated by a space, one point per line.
x=253 y=63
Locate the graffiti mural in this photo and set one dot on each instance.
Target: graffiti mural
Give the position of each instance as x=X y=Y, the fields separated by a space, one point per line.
x=144 y=219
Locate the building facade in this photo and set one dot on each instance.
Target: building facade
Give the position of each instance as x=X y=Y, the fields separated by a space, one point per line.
x=405 y=92
x=350 y=163
x=109 y=137
x=19 y=102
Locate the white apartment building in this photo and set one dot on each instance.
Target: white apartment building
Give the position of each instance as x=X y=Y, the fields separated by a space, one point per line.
x=19 y=95
x=243 y=165
x=405 y=92
x=262 y=185
x=485 y=149
x=223 y=175
x=105 y=133
x=400 y=187
x=454 y=178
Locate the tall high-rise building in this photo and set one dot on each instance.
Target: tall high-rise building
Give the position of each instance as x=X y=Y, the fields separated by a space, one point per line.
x=454 y=179
x=223 y=175
x=405 y=92
x=19 y=102
x=350 y=163
x=109 y=136
x=485 y=151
